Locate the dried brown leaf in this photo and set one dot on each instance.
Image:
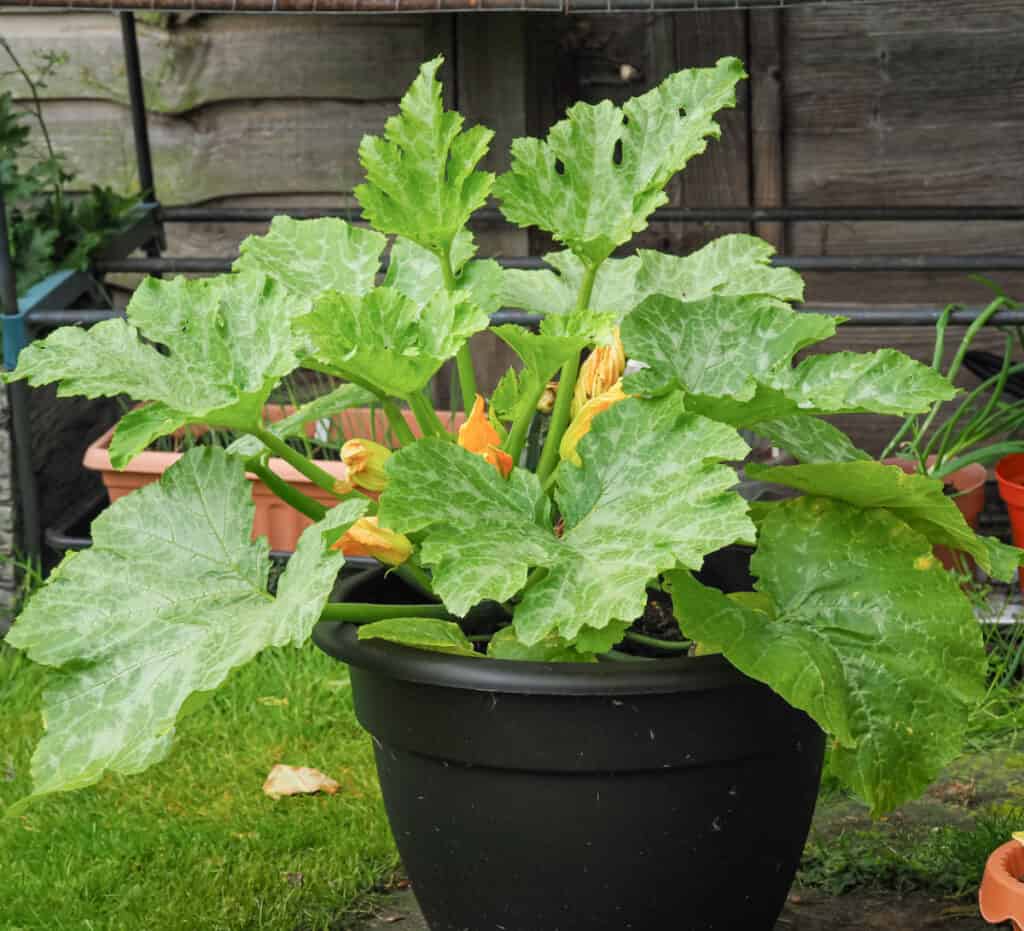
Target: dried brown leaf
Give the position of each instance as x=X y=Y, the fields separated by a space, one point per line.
x=297 y=780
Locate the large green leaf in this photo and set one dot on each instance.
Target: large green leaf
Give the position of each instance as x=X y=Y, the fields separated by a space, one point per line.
x=387 y=341
x=719 y=346
x=416 y=272
x=917 y=499
x=595 y=180
x=228 y=342
x=421 y=177
x=870 y=636
x=170 y=598
x=423 y=633
x=810 y=439
x=543 y=291
x=482 y=533
x=730 y=265
x=325 y=407
x=651 y=493
x=310 y=257
x=505 y=645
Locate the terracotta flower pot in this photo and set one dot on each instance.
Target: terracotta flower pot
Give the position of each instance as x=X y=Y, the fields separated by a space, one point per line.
x=1001 y=896
x=970 y=485
x=1010 y=476
x=274 y=519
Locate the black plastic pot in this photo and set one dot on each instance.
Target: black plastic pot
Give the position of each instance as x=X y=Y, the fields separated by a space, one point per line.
x=672 y=795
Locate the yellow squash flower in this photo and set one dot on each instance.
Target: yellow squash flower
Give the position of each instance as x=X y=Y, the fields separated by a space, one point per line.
x=602 y=369
x=580 y=425
x=365 y=461
x=477 y=435
x=366 y=538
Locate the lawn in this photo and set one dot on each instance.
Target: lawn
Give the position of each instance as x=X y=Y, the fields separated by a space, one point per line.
x=194 y=843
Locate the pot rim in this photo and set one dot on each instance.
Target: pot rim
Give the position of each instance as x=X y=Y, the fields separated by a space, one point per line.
x=340 y=639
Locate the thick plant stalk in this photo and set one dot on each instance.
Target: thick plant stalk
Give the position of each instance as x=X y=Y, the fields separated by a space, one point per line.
x=313 y=472
x=290 y=495
x=463 y=358
x=356 y=613
x=427 y=417
x=517 y=435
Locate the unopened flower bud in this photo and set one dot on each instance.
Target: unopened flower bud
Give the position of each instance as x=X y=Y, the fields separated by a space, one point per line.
x=580 y=425
x=602 y=369
x=366 y=538
x=546 y=404
x=365 y=462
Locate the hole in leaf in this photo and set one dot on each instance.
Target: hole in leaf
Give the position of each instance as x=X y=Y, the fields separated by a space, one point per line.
x=559 y=166
x=617 y=152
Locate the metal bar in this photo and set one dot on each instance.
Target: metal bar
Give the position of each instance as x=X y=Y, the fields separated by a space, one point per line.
x=663 y=215
x=858 y=263
x=45 y=318
x=137 y=100
x=18 y=399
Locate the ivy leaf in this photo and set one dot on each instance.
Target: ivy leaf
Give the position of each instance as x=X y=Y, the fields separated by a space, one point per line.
x=542 y=356
x=422 y=633
x=482 y=533
x=810 y=439
x=600 y=173
x=387 y=341
x=504 y=645
x=651 y=493
x=169 y=599
x=228 y=339
x=416 y=272
x=720 y=346
x=421 y=181
x=325 y=407
x=730 y=265
x=872 y=637
x=310 y=257
x=918 y=500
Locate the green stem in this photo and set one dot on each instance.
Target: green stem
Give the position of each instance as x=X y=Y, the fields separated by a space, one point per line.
x=669 y=646
x=566 y=387
x=463 y=358
x=300 y=463
x=289 y=494
x=426 y=416
x=617 y=657
x=403 y=432
x=517 y=435
x=417 y=578
x=365 y=613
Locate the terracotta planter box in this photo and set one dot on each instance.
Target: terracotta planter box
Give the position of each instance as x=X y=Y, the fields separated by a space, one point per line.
x=274 y=519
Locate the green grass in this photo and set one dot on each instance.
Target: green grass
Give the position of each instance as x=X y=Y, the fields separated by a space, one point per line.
x=944 y=860
x=193 y=843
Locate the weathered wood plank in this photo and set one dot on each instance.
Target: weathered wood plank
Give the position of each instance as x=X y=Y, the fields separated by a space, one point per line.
x=767 y=155
x=263 y=146
x=217 y=58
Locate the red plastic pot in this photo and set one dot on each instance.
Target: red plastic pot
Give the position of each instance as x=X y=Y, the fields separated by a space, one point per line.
x=970 y=485
x=1001 y=896
x=1010 y=476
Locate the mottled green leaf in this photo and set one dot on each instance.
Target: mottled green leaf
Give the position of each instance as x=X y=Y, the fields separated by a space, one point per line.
x=543 y=291
x=651 y=493
x=504 y=645
x=170 y=598
x=140 y=427
x=809 y=439
x=422 y=633
x=600 y=173
x=916 y=499
x=386 y=340
x=719 y=346
x=310 y=257
x=228 y=342
x=730 y=265
x=421 y=177
x=325 y=407
x=871 y=636
x=416 y=272
x=482 y=533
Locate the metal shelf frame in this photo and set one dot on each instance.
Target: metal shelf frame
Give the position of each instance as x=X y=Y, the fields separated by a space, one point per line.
x=146 y=233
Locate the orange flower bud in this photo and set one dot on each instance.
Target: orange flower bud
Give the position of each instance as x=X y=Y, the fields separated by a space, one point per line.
x=366 y=538
x=477 y=435
x=365 y=461
x=602 y=369
x=580 y=425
